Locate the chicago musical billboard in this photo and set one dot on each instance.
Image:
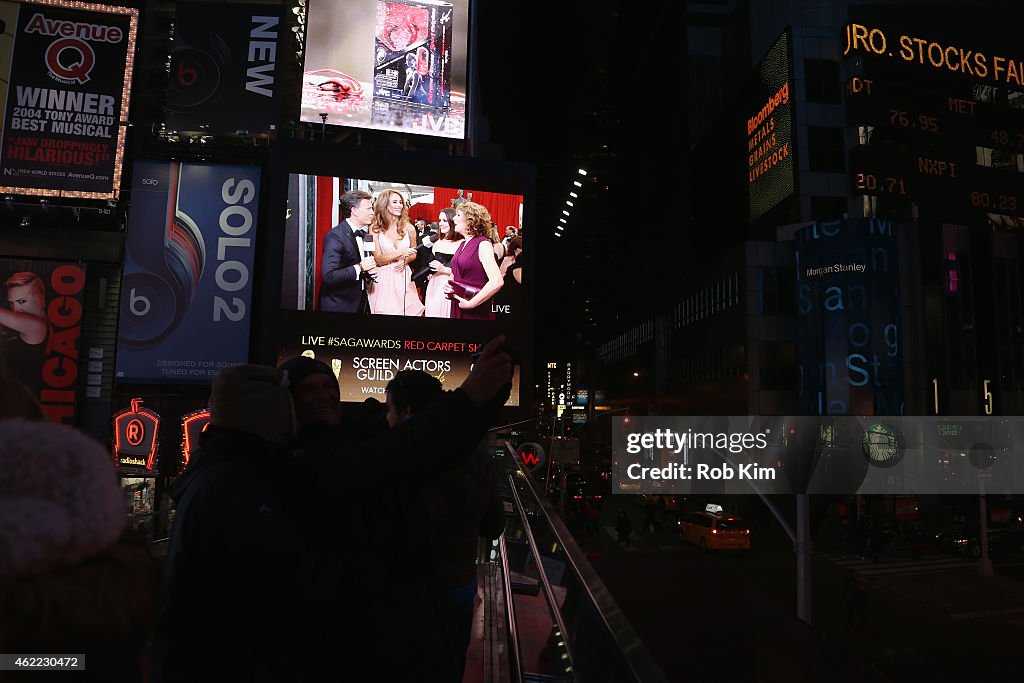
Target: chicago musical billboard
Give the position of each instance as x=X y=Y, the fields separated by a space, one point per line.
x=40 y=325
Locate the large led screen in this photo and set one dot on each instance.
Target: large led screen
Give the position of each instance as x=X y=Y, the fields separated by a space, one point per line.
x=67 y=76
x=771 y=173
x=370 y=292
x=396 y=65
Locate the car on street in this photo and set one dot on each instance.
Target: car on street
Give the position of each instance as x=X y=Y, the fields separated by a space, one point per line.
x=966 y=540
x=714 y=529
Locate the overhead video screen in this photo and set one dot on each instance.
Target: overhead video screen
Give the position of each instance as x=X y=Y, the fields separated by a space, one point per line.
x=385 y=275
x=394 y=65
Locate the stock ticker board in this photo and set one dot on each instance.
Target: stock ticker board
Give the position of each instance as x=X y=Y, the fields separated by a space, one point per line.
x=940 y=121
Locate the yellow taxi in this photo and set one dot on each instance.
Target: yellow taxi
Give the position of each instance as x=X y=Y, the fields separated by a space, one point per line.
x=714 y=529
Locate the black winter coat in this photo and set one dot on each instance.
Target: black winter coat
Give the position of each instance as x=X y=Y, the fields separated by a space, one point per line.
x=238 y=580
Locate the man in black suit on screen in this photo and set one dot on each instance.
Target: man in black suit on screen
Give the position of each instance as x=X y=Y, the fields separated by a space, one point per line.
x=346 y=268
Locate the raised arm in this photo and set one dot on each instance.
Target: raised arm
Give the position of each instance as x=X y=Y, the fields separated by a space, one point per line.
x=433 y=440
x=31 y=328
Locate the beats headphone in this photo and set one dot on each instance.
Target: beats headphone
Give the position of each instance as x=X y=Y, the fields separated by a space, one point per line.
x=155 y=301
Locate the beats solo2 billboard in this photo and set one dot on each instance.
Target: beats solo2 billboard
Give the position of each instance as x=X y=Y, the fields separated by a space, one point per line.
x=187 y=286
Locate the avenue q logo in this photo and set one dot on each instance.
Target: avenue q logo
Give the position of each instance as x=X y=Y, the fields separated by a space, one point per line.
x=70 y=58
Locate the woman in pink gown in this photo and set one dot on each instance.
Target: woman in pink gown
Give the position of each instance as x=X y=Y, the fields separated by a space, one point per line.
x=437 y=302
x=394 y=238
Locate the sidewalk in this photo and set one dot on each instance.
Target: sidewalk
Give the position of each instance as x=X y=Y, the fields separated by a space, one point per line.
x=943 y=625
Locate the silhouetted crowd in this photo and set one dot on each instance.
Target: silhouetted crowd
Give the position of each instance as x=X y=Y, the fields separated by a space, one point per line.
x=307 y=545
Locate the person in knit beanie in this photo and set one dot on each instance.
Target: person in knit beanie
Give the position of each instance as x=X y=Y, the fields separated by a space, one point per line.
x=72 y=577
x=237 y=570
x=254 y=399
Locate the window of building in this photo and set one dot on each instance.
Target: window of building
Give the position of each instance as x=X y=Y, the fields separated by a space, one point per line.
x=822 y=79
x=775 y=291
x=778 y=366
x=827 y=208
x=827 y=151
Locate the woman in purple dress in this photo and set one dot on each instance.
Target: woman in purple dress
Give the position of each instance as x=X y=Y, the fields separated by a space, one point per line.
x=473 y=264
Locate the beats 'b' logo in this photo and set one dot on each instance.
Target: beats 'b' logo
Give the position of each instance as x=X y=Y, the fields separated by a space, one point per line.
x=70 y=60
x=196 y=74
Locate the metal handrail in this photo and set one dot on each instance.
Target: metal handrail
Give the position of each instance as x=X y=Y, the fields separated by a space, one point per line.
x=510 y=612
x=512 y=424
x=543 y=576
x=634 y=652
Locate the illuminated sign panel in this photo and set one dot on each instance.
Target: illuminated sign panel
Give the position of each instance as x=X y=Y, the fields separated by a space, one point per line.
x=928 y=53
x=135 y=438
x=223 y=68
x=769 y=130
x=371 y=303
x=393 y=65
x=408 y=322
x=187 y=285
x=192 y=426
x=68 y=85
x=941 y=115
x=848 y=318
x=40 y=326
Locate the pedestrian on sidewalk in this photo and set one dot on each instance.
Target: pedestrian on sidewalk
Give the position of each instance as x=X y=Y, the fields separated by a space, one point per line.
x=856 y=603
x=625 y=527
x=917 y=542
x=590 y=521
x=877 y=540
x=650 y=520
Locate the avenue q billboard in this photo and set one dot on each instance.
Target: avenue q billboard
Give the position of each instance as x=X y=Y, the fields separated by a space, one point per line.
x=67 y=67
